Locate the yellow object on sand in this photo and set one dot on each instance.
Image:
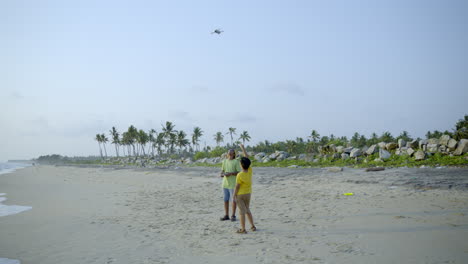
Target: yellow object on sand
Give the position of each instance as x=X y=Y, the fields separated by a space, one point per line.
x=348 y=193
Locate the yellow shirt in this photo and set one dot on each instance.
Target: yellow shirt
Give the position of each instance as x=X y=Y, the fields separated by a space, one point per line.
x=245 y=181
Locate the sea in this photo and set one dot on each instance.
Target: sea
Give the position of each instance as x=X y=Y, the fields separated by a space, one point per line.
x=5 y=210
x=7 y=167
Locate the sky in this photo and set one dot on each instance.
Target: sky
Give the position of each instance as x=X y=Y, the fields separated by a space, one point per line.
x=72 y=69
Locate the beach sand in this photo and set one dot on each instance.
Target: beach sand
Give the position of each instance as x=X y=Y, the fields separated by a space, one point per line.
x=104 y=215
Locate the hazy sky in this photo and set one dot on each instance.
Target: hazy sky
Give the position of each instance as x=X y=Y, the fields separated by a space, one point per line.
x=72 y=69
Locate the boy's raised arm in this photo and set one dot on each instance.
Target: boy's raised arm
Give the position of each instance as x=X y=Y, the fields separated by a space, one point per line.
x=243 y=150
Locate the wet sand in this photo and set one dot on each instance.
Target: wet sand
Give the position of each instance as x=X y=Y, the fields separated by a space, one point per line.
x=103 y=215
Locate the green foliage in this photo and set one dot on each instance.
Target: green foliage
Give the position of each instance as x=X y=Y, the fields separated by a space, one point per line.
x=217 y=152
x=201 y=155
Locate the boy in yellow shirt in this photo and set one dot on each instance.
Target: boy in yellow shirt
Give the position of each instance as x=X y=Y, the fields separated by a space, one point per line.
x=243 y=191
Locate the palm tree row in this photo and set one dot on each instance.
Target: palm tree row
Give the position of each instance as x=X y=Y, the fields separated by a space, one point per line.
x=137 y=142
x=134 y=142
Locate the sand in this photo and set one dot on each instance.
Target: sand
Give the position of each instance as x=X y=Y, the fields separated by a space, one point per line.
x=103 y=215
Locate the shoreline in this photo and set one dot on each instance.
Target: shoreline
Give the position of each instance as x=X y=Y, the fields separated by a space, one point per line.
x=107 y=215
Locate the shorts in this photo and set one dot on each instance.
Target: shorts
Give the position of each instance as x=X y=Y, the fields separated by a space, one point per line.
x=243 y=202
x=228 y=194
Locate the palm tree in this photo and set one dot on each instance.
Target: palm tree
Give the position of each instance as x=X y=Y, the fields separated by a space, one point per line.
x=231 y=132
x=159 y=142
x=169 y=134
x=142 y=138
x=218 y=137
x=181 y=140
x=290 y=145
x=386 y=137
x=132 y=134
x=172 y=141
x=244 y=136
x=104 y=140
x=115 y=140
x=315 y=136
x=151 y=140
x=99 y=140
x=197 y=134
x=405 y=136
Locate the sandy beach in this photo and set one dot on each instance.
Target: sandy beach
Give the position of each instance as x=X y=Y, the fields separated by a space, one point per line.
x=171 y=215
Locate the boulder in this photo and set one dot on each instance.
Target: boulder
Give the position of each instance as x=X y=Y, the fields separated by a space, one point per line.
x=302 y=157
x=266 y=159
x=293 y=166
x=419 y=155
x=364 y=149
x=371 y=150
x=292 y=158
x=336 y=156
x=462 y=147
x=339 y=149
x=432 y=148
x=391 y=146
x=452 y=144
x=355 y=153
x=348 y=150
x=344 y=156
x=413 y=144
x=410 y=151
x=433 y=141
x=444 y=139
x=422 y=143
x=442 y=149
x=259 y=156
x=401 y=143
x=382 y=145
x=384 y=155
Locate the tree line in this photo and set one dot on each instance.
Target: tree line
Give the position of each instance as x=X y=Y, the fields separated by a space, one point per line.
x=137 y=142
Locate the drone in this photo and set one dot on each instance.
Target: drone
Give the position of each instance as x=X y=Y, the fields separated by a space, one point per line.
x=217 y=31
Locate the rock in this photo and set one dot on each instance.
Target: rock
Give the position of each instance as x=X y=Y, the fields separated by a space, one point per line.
x=302 y=157
x=339 y=149
x=391 y=146
x=444 y=139
x=382 y=145
x=452 y=144
x=282 y=155
x=401 y=143
x=375 y=169
x=371 y=150
x=462 y=147
x=355 y=153
x=378 y=160
x=383 y=154
x=410 y=151
x=413 y=144
x=273 y=155
x=266 y=159
x=316 y=161
x=432 y=148
x=433 y=141
x=293 y=166
x=348 y=150
x=364 y=149
x=344 y=156
x=292 y=158
x=422 y=143
x=334 y=169
x=419 y=155
x=259 y=156
x=442 y=149
x=336 y=156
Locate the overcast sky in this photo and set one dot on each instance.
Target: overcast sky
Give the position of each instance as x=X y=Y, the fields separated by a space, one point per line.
x=72 y=69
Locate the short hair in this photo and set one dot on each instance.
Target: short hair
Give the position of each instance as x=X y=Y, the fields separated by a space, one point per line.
x=245 y=163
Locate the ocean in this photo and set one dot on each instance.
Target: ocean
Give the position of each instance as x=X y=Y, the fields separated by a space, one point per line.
x=7 y=167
